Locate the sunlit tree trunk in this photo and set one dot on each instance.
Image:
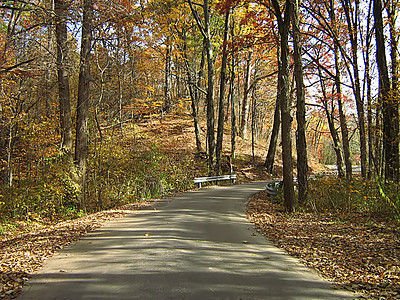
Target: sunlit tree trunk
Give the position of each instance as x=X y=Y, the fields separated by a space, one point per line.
x=338 y=84
x=167 y=76
x=60 y=9
x=352 y=25
x=220 y=131
x=82 y=129
x=194 y=95
x=233 y=103
x=269 y=161
x=205 y=30
x=246 y=90
x=331 y=124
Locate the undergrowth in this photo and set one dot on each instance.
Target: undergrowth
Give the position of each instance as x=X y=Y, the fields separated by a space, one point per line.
x=337 y=195
x=121 y=170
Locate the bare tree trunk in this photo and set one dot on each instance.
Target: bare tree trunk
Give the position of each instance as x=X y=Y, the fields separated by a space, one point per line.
x=233 y=110
x=352 y=24
x=60 y=8
x=389 y=105
x=167 y=76
x=220 y=131
x=371 y=135
x=338 y=84
x=205 y=31
x=245 y=102
x=331 y=124
x=194 y=102
x=302 y=164
x=82 y=129
x=285 y=101
x=269 y=161
x=393 y=10
x=253 y=119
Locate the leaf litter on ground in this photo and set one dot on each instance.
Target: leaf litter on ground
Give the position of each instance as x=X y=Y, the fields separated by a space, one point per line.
x=357 y=252
x=24 y=249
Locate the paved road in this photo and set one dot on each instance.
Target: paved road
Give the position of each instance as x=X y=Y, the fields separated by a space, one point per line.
x=198 y=245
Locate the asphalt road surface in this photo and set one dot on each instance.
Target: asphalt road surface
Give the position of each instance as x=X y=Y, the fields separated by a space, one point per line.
x=198 y=245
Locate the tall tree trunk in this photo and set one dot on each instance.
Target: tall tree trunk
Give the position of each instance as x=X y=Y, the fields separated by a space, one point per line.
x=393 y=10
x=331 y=124
x=205 y=31
x=389 y=106
x=370 y=131
x=220 y=131
x=167 y=77
x=269 y=161
x=302 y=165
x=233 y=110
x=194 y=95
x=285 y=101
x=210 y=89
x=82 y=129
x=352 y=24
x=338 y=84
x=246 y=91
x=254 y=118
x=60 y=9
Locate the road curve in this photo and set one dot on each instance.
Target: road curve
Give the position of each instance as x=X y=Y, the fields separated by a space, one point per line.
x=198 y=245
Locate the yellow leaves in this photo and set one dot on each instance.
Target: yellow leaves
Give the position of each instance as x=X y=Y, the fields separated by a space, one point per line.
x=158 y=103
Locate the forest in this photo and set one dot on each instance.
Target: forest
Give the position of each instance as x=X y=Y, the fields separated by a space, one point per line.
x=306 y=79
x=106 y=105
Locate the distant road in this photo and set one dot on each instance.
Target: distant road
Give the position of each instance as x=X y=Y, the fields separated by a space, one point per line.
x=198 y=245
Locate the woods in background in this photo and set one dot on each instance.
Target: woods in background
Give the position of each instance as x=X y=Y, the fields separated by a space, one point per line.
x=322 y=73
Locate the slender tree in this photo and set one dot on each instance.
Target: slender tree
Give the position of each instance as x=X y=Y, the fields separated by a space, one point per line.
x=339 y=95
x=302 y=165
x=269 y=161
x=221 y=107
x=352 y=25
x=246 y=90
x=60 y=9
x=206 y=32
x=82 y=128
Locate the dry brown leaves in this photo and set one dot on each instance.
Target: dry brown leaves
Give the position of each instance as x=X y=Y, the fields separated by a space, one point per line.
x=358 y=252
x=23 y=252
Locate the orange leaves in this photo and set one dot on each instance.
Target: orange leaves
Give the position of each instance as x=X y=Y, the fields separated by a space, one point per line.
x=356 y=251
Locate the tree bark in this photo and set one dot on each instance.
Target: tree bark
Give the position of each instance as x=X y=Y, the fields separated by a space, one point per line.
x=269 y=161
x=352 y=25
x=233 y=110
x=60 y=9
x=338 y=84
x=389 y=106
x=331 y=125
x=370 y=130
x=245 y=102
x=167 y=76
x=221 y=108
x=285 y=101
x=82 y=129
x=302 y=165
x=205 y=30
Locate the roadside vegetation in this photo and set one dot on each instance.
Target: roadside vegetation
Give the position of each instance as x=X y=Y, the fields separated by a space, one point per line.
x=348 y=231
